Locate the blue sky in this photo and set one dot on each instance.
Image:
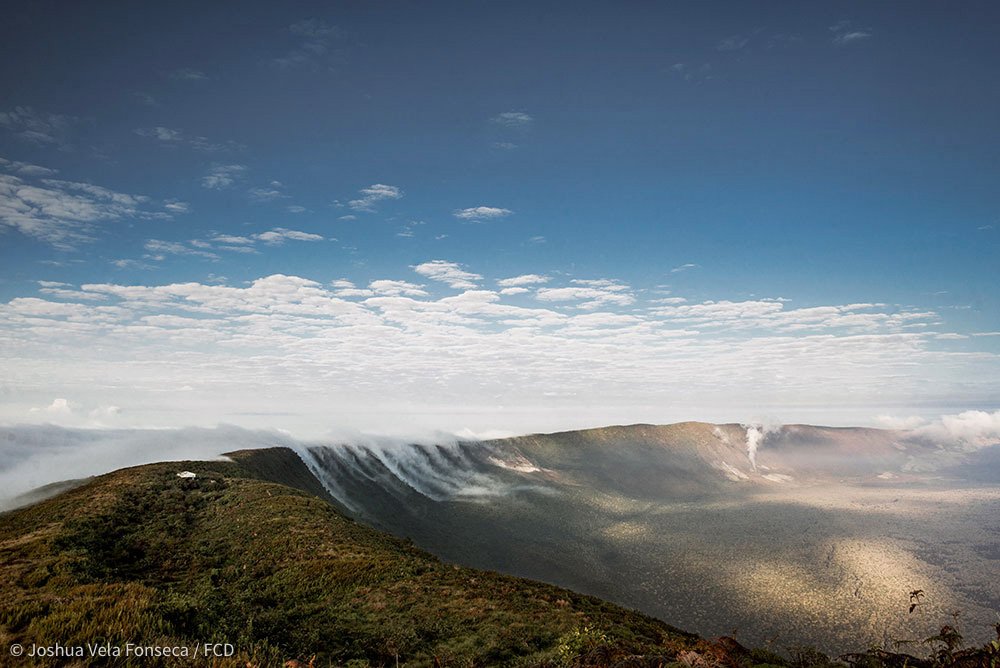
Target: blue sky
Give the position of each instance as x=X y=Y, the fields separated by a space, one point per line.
x=730 y=210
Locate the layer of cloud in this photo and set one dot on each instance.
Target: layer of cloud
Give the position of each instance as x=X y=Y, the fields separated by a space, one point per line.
x=357 y=350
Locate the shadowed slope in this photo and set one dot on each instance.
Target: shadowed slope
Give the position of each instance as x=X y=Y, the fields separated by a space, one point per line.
x=817 y=540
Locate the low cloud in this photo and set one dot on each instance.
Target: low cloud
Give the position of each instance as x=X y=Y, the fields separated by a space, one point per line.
x=970 y=429
x=201 y=352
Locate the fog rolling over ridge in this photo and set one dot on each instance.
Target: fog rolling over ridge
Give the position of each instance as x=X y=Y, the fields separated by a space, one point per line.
x=792 y=534
x=787 y=534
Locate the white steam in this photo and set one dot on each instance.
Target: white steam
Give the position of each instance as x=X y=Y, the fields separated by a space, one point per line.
x=755 y=435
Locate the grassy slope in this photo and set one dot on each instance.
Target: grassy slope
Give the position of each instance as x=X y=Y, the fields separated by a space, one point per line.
x=236 y=556
x=140 y=555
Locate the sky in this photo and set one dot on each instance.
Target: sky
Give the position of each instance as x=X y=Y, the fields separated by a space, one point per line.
x=485 y=217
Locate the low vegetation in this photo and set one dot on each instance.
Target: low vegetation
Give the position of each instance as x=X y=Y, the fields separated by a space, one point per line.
x=146 y=557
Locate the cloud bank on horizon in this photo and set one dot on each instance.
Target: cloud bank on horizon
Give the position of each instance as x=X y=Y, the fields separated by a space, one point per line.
x=296 y=222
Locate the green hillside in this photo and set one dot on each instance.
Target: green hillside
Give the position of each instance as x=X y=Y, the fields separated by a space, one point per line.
x=251 y=553
x=142 y=556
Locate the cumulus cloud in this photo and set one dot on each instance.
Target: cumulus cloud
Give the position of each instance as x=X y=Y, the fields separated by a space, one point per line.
x=223 y=176
x=479 y=214
x=370 y=196
x=450 y=273
x=971 y=429
x=589 y=294
x=396 y=288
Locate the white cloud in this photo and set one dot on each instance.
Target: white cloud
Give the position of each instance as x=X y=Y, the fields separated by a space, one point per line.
x=734 y=43
x=450 y=273
x=38 y=127
x=176 y=206
x=273 y=191
x=58 y=408
x=158 y=248
x=377 y=192
x=26 y=168
x=174 y=137
x=231 y=239
x=188 y=74
x=522 y=280
x=514 y=291
x=295 y=208
x=900 y=423
x=591 y=294
x=315 y=38
x=844 y=33
x=65 y=214
x=396 y=288
x=684 y=267
x=223 y=176
x=280 y=235
x=513 y=119
x=478 y=214
x=972 y=429
x=161 y=133
x=205 y=352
